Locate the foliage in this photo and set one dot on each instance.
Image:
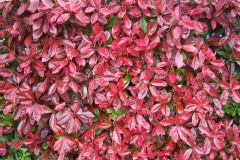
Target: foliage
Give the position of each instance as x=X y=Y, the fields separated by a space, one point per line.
x=120 y=79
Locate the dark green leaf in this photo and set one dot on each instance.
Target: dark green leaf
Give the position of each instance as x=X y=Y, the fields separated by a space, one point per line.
x=109 y=41
x=143 y=24
x=127 y=78
x=110 y=110
x=45 y=146
x=112 y=21
x=158 y=138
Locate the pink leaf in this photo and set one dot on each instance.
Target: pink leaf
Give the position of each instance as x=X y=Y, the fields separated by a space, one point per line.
x=155 y=108
x=142 y=4
x=142 y=93
x=105 y=11
x=116 y=136
x=190 y=48
x=187 y=154
x=48 y=3
x=176 y=32
x=127 y=22
x=64 y=144
x=174 y=134
x=179 y=60
x=190 y=107
x=217 y=143
x=207 y=146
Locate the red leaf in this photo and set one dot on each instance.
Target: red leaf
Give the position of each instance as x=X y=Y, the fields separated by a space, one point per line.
x=197 y=11
x=3 y=149
x=217 y=63
x=152 y=45
x=143 y=92
x=127 y=22
x=213 y=24
x=28 y=41
x=116 y=136
x=195 y=62
x=64 y=144
x=177 y=13
x=155 y=108
x=10 y=94
x=52 y=89
x=236 y=96
x=103 y=52
x=33 y=6
x=142 y=122
x=103 y=125
x=43 y=86
x=117 y=103
x=182 y=135
x=167 y=122
x=171 y=79
x=190 y=107
x=60 y=106
x=170 y=4
x=132 y=123
x=53 y=125
x=158 y=83
x=205 y=130
x=45 y=26
x=194 y=119
x=8 y=108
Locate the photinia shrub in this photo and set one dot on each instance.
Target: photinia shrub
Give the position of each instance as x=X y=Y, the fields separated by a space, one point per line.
x=119 y=79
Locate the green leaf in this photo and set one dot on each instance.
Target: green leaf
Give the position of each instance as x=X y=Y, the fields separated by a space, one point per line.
x=110 y=110
x=124 y=69
x=126 y=94
x=27 y=154
x=173 y=69
x=184 y=56
x=74 y=134
x=170 y=106
x=227 y=47
x=96 y=112
x=149 y=95
x=231 y=58
x=98 y=131
x=143 y=24
x=134 y=149
x=127 y=79
x=158 y=138
x=221 y=53
x=86 y=31
x=24 y=149
x=114 y=116
x=185 y=147
x=112 y=21
x=57 y=137
x=152 y=20
x=119 y=112
x=109 y=41
x=45 y=146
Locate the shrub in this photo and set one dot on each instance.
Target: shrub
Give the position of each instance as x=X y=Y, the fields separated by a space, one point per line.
x=131 y=79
